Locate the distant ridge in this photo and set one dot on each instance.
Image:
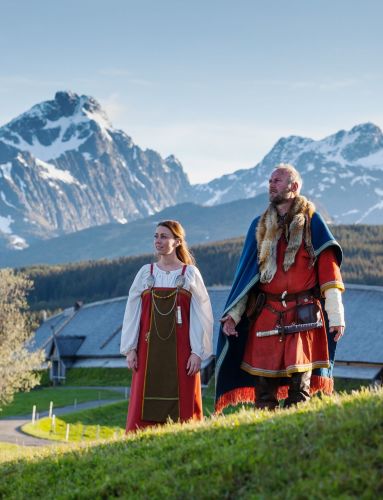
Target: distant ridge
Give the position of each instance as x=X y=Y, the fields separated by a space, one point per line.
x=202 y=224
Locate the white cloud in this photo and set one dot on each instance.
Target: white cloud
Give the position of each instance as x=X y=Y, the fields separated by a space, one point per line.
x=114 y=107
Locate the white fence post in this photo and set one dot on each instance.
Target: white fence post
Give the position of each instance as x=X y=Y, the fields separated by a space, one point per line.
x=50 y=409
x=33 y=414
x=53 y=424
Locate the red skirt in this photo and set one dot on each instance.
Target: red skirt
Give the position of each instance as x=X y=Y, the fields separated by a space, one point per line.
x=189 y=387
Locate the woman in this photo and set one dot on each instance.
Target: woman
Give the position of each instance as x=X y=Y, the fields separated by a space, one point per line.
x=166 y=333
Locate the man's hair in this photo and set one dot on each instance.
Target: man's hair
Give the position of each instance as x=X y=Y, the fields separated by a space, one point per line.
x=294 y=175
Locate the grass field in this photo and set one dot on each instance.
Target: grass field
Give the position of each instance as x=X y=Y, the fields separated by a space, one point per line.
x=329 y=448
x=99 y=376
x=96 y=423
x=23 y=402
x=87 y=425
x=93 y=377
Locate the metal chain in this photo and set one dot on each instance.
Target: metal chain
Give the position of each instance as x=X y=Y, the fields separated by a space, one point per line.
x=165 y=297
x=156 y=328
x=171 y=309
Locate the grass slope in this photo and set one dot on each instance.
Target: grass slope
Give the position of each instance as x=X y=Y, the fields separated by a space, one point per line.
x=99 y=376
x=88 y=425
x=24 y=401
x=330 y=448
x=107 y=421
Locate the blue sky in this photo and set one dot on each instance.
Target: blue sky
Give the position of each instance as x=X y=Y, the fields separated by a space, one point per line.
x=215 y=82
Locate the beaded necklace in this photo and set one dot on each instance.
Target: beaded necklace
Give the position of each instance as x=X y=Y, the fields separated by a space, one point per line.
x=180 y=282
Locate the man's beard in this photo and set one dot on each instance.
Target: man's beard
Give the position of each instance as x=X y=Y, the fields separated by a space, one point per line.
x=280 y=198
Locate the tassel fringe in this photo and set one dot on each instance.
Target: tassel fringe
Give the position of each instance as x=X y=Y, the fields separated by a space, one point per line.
x=248 y=394
x=323 y=384
x=235 y=397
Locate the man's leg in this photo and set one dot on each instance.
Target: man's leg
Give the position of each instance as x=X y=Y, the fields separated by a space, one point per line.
x=299 y=389
x=266 y=390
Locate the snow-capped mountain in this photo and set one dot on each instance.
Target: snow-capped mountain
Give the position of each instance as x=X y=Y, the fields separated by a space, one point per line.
x=63 y=167
x=344 y=172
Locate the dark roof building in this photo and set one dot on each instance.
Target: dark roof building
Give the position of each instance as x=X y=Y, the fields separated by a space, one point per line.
x=89 y=335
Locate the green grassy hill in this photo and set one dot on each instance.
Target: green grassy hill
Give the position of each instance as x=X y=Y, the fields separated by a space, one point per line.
x=329 y=448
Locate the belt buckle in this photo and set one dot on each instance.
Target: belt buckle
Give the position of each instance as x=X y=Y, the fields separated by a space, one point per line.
x=283 y=295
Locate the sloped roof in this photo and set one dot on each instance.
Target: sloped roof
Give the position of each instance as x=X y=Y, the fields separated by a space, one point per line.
x=68 y=346
x=100 y=323
x=357 y=372
x=44 y=334
x=363 y=338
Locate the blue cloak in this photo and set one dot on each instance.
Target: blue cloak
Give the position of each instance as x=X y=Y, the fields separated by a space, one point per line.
x=234 y=385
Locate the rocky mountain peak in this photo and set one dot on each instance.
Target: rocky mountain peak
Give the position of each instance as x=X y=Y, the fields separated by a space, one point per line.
x=52 y=128
x=367 y=128
x=63 y=167
x=67 y=102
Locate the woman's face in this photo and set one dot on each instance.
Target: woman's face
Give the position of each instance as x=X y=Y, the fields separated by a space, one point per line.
x=164 y=241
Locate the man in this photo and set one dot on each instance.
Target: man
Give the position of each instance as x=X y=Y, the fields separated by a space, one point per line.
x=273 y=343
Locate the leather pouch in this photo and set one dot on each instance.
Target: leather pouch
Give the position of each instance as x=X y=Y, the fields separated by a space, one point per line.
x=308 y=313
x=255 y=304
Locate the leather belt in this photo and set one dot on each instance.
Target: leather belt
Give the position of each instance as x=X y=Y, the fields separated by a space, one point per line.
x=290 y=297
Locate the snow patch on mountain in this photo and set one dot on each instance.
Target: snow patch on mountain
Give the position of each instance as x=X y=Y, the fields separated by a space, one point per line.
x=374 y=208
x=48 y=171
x=6 y=202
x=17 y=242
x=5 y=224
x=5 y=171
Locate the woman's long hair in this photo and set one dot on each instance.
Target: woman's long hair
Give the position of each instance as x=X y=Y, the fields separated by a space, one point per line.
x=182 y=251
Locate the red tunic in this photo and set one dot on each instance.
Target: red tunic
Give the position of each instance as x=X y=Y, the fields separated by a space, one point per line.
x=299 y=352
x=189 y=387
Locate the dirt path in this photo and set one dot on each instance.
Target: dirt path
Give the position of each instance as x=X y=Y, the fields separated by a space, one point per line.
x=10 y=428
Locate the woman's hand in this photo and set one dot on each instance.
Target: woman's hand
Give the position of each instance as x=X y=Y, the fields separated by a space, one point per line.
x=131 y=359
x=193 y=365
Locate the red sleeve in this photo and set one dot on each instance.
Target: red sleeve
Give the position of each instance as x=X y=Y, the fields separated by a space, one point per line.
x=329 y=275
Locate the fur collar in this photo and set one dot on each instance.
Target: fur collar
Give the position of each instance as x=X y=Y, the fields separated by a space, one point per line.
x=269 y=231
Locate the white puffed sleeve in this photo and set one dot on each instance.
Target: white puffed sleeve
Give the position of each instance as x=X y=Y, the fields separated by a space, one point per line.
x=201 y=316
x=132 y=316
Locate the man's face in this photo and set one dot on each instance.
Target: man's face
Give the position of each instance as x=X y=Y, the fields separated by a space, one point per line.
x=280 y=187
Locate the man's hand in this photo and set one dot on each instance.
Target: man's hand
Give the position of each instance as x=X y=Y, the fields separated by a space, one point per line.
x=131 y=360
x=193 y=365
x=339 y=330
x=228 y=326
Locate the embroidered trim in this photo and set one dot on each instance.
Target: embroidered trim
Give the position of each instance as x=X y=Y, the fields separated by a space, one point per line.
x=284 y=373
x=161 y=399
x=332 y=284
x=329 y=243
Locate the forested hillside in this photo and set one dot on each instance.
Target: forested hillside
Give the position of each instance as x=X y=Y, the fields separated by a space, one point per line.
x=61 y=286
